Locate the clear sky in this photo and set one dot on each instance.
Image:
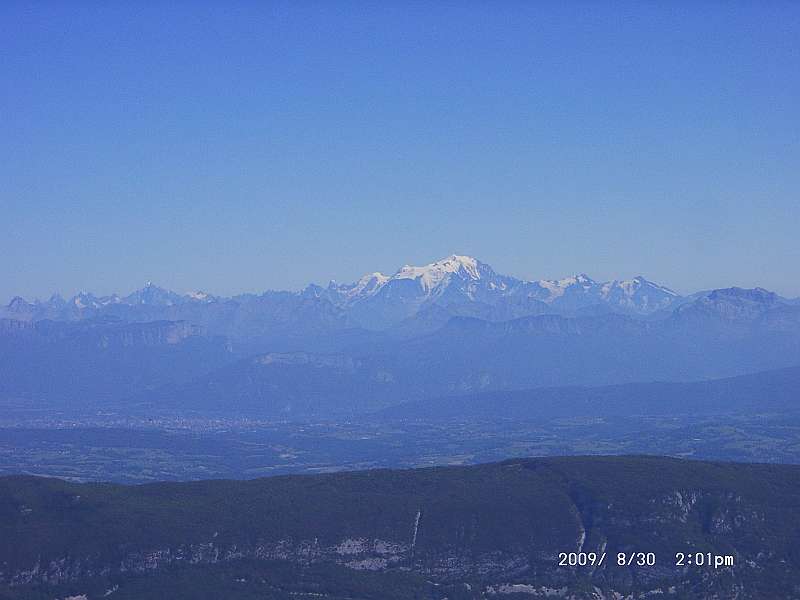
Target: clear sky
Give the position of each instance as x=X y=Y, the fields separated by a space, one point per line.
x=243 y=146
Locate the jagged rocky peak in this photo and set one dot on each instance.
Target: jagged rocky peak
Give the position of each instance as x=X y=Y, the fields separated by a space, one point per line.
x=19 y=304
x=152 y=294
x=84 y=300
x=56 y=300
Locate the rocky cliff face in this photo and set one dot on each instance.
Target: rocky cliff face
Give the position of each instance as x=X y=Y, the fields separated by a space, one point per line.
x=102 y=333
x=148 y=334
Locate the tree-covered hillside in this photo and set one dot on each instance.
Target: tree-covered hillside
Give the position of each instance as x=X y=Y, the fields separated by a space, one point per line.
x=482 y=531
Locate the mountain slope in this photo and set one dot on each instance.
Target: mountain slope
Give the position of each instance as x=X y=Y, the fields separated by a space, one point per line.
x=470 y=355
x=288 y=385
x=758 y=393
x=492 y=527
x=93 y=363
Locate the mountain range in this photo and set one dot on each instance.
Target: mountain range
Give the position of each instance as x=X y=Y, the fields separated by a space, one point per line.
x=449 y=328
x=462 y=285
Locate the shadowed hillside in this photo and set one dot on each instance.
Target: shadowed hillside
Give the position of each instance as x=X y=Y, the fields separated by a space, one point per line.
x=491 y=527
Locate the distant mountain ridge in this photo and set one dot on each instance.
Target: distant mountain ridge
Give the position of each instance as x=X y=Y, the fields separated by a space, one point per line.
x=452 y=327
x=98 y=361
x=468 y=287
x=453 y=286
x=765 y=392
x=471 y=356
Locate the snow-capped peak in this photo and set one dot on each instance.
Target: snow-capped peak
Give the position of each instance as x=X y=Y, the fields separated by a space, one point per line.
x=199 y=295
x=152 y=295
x=375 y=277
x=557 y=287
x=629 y=287
x=364 y=287
x=434 y=273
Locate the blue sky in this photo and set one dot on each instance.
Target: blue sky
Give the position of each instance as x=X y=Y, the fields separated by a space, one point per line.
x=245 y=146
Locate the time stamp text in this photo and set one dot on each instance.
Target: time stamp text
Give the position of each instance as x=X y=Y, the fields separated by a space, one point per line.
x=644 y=559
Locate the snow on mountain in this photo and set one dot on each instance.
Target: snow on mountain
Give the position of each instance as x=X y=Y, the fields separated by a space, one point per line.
x=365 y=287
x=378 y=300
x=432 y=280
x=638 y=295
x=578 y=292
x=200 y=296
x=153 y=295
x=429 y=278
x=432 y=275
x=463 y=285
x=556 y=288
x=85 y=300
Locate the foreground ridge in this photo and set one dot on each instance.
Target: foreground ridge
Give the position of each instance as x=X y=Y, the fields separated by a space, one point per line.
x=481 y=531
